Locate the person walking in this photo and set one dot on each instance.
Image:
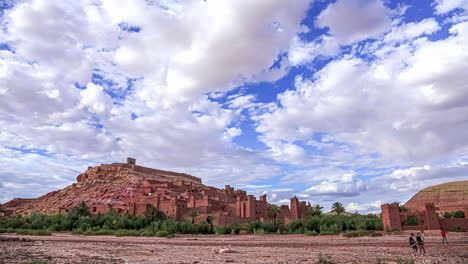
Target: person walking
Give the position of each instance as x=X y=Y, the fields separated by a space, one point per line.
x=420 y=241
x=413 y=244
x=443 y=233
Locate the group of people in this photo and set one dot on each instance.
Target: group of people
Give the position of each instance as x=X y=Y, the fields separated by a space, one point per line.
x=417 y=243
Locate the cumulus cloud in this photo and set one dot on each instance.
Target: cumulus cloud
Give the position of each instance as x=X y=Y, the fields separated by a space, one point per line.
x=445 y=6
x=129 y=79
x=354 y=20
x=412 y=30
x=409 y=104
x=416 y=178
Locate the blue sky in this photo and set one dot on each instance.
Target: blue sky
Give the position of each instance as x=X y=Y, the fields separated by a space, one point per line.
x=362 y=102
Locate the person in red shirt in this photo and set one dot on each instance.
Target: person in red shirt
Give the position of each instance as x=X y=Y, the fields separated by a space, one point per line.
x=443 y=233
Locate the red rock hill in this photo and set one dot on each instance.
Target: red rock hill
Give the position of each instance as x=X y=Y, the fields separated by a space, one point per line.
x=131 y=189
x=447 y=197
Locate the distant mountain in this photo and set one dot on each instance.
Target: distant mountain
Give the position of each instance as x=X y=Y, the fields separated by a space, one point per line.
x=447 y=197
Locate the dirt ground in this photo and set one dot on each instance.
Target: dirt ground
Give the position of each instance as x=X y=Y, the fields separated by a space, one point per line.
x=67 y=248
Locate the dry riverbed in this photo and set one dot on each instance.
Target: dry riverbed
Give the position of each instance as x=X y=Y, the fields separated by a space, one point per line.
x=67 y=248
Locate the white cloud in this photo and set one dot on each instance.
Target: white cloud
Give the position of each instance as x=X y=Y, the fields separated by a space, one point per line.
x=408 y=104
x=181 y=52
x=303 y=52
x=416 y=178
x=412 y=30
x=95 y=99
x=445 y=6
x=373 y=207
x=350 y=21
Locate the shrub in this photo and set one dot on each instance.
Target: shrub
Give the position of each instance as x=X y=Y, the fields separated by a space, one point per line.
x=270 y=227
x=458 y=214
x=259 y=231
x=312 y=224
x=458 y=229
x=447 y=215
x=333 y=229
x=236 y=228
x=376 y=234
x=358 y=233
x=125 y=232
x=401 y=260
x=251 y=226
x=325 y=259
x=412 y=220
x=31 y=232
x=312 y=233
x=204 y=228
x=380 y=261
x=37 y=262
x=296 y=226
x=162 y=233
x=185 y=228
x=223 y=230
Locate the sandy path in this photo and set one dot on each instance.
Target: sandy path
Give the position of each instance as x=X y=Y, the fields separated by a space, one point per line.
x=66 y=248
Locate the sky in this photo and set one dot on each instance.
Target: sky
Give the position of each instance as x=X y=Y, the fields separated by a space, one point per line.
x=362 y=102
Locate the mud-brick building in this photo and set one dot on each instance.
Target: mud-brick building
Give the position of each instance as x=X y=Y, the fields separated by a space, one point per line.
x=428 y=215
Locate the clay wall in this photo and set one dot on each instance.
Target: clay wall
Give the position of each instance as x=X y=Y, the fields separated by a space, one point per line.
x=432 y=218
x=451 y=223
x=391 y=216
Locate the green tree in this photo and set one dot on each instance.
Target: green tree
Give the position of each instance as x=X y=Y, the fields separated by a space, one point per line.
x=154 y=214
x=447 y=215
x=1 y=208
x=458 y=214
x=402 y=208
x=338 y=208
x=193 y=214
x=82 y=209
x=210 y=219
x=315 y=210
x=411 y=220
x=75 y=213
x=274 y=211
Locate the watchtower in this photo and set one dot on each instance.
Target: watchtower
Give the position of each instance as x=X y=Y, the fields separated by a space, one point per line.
x=131 y=161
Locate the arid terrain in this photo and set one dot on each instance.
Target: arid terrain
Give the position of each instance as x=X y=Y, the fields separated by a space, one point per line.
x=66 y=248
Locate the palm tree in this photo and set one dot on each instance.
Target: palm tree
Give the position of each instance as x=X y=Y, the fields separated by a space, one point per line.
x=193 y=214
x=274 y=211
x=338 y=208
x=83 y=209
x=317 y=210
x=210 y=220
x=314 y=210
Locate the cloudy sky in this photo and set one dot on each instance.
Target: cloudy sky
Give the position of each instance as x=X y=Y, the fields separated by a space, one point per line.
x=358 y=101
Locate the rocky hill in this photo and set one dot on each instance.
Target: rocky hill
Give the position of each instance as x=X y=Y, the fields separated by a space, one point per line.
x=108 y=184
x=450 y=196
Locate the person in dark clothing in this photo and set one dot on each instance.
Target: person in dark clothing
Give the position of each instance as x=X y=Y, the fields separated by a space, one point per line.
x=420 y=241
x=413 y=244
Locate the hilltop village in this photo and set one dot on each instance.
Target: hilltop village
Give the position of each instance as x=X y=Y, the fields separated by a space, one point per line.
x=131 y=189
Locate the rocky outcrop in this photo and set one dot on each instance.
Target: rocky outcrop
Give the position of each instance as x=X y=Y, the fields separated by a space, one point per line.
x=450 y=196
